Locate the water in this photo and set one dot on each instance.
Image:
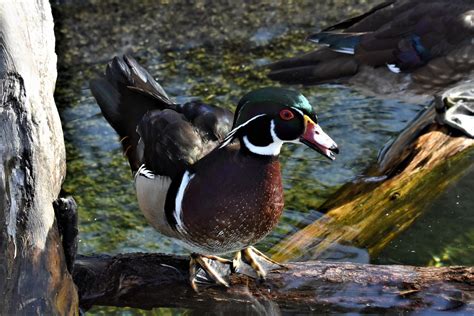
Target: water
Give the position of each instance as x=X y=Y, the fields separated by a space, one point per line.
x=447 y=229
x=214 y=53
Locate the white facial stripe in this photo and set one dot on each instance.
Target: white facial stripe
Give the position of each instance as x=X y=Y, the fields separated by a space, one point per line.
x=226 y=142
x=231 y=134
x=178 y=211
x=272 y=149
x=275 y=137
x=298 y=110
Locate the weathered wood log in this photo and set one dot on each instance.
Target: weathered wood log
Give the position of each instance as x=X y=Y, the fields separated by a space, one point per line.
x=33 y=274
x=65 y=211
x=373 y=209
x=155 y=280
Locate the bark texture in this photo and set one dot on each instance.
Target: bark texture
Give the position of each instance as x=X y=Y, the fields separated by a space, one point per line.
x=154 y=280
x=33 y=274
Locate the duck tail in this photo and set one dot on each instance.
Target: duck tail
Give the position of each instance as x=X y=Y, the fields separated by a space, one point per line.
x=125 y=94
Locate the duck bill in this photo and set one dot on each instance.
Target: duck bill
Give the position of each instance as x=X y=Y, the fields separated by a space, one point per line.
x=315 y=138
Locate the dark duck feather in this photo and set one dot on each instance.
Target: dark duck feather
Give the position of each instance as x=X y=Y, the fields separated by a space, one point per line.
x=154 y=131
x=427 y=45
x=203 y=176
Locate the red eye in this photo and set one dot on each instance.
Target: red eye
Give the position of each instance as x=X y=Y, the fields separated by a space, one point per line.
x=286 y=115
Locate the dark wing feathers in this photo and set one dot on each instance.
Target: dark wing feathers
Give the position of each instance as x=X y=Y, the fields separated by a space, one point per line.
x=407 y=33
x=354 y=20
x=122 y=106
x=154 y=131
x=169 y=142
x=212 y=122
x=174 y=139
x=141 y=81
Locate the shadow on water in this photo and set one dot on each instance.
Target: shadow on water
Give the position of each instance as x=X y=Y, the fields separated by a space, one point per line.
x=213 y=51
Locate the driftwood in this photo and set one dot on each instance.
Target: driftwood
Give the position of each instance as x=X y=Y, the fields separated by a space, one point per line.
x=373 y=209
x=33 y=275
x=154 y=280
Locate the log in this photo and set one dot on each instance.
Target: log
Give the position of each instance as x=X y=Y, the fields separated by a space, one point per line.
x=33 y=274
x=373 y=209
x=154 y=280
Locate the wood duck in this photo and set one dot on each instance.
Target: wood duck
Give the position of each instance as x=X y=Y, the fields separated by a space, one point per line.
x=413 y=45
x=204 y=177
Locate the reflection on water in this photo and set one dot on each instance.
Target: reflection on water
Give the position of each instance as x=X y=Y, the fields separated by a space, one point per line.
x=448 y=229
x=214 y=52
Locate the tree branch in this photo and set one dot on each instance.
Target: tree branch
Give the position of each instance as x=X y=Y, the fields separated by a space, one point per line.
x=156 y=280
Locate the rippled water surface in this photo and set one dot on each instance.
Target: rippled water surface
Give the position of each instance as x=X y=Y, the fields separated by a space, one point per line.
x=215 y=53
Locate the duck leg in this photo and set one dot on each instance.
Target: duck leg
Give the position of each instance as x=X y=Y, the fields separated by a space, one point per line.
x=259 y=262
x=208 y=269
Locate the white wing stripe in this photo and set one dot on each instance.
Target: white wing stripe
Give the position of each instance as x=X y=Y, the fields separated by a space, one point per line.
x=393 y=68
x=143 y=171
x=229 y=136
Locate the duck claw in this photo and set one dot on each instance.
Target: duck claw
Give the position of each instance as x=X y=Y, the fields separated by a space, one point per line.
x=259 y=263
x=208 y=270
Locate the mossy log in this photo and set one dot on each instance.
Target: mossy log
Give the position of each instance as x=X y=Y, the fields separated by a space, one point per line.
x=33 y=275
x=373 y=209
x=152 y=280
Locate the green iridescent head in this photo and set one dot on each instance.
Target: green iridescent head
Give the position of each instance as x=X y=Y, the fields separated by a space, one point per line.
x=266 y=100
x=268 y=117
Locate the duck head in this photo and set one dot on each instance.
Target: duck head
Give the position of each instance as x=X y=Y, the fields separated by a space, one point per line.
x=268 y=117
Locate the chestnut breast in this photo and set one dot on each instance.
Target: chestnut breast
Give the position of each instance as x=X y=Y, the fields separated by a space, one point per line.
x=233 y=201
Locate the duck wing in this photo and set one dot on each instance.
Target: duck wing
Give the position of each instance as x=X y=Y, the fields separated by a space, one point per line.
x=173 y=139
x=155 y=131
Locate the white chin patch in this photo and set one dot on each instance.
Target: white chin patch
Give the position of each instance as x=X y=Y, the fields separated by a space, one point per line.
x=272 y=149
